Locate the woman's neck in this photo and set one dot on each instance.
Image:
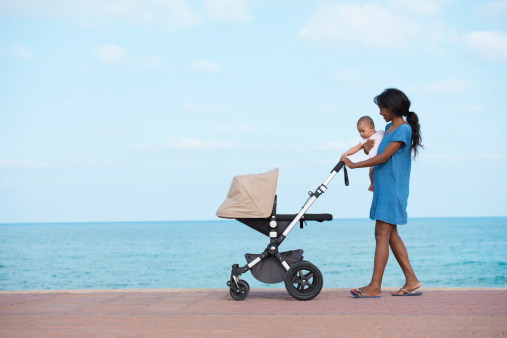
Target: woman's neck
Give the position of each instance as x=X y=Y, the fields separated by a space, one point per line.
x=397 y=121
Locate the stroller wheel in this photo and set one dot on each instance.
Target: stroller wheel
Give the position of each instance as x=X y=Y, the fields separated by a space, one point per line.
x=243 y=291
x=303 y=281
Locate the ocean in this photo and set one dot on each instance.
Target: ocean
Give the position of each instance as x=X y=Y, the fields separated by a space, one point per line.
x=445 y=252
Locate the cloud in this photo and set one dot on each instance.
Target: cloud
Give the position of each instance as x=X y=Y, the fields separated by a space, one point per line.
x=227 y=10
x=370 y=25
x=174 y=14
x=206 y=66
x=8 y=163
x=22 y=164
x=245 y=129
x=170 y=14
x=113 y=55
x=424 y=7
x=491 y=156
x=494 y=9
x=20 y=51
x=490 y=46
x=186 y=143
x=449 y=85
x=224 y=127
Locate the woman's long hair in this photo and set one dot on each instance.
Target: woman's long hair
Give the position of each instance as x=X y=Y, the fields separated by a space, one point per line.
x=399 y=103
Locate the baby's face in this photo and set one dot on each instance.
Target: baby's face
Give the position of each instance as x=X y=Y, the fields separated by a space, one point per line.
x=365 y=130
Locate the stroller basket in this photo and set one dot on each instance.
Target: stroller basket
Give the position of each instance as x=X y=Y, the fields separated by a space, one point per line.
x=270 y=270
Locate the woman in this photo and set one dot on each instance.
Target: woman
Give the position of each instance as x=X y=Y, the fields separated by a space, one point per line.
x=391 y=176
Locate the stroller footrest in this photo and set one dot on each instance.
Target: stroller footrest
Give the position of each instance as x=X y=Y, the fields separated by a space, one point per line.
x=306 y=217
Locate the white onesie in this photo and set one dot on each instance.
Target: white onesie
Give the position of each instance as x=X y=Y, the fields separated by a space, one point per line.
x=377 y=138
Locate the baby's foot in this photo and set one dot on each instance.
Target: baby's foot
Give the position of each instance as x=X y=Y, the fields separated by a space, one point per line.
x=371 y=187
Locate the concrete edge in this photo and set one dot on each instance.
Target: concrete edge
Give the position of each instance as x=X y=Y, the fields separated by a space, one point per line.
x=35 y=292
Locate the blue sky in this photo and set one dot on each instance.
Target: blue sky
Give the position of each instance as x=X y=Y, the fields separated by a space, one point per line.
x=144 y=110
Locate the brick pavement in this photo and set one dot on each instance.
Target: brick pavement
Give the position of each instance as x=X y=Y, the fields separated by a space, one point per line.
x=266 y=312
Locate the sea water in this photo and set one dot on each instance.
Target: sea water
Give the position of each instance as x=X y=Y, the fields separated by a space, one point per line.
x=444 y=252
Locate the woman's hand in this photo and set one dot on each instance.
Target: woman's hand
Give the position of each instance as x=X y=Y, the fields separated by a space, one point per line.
x=367 y=146
x=347 y=162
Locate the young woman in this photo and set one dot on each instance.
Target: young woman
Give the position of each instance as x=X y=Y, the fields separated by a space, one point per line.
x=391 y=176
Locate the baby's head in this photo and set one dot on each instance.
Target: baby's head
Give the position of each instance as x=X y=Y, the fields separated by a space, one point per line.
x=365 y=127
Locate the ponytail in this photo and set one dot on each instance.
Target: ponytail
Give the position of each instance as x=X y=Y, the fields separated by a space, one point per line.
x=413 y=121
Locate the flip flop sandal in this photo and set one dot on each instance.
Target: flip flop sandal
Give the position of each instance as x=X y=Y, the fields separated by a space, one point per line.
x=357 y=293
x=408 y=293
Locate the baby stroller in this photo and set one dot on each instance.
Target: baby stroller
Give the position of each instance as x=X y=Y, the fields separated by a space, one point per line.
x=252 y=201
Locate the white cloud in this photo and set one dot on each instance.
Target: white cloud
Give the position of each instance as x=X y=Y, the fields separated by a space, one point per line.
x=227 y=10
x=174 y=14
x=224 y=127
x=245 y=129
x=206 y=66
x=490 y=46
x=170 y=14
x=20 y=51
x=113 y=55
x=186 y=143
x=449 y=85
x=7 y=163
x=424 y=7
x=370 y=25
x=491 y=156
x=494 y=9
x=22 y=164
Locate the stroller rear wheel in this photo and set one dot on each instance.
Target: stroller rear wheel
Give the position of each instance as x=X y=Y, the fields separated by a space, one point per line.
x=304 y=281
x=242 y=292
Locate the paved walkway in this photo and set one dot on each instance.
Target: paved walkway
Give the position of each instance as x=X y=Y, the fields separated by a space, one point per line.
x=266 y=312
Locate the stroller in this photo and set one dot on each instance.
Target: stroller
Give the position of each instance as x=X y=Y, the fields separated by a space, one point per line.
x=252 y=201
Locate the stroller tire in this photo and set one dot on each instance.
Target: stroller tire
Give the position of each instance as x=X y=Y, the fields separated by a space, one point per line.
x=304 y=281
x=243 y=291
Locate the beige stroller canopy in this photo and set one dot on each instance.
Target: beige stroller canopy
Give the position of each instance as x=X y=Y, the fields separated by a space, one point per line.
x=250 y=196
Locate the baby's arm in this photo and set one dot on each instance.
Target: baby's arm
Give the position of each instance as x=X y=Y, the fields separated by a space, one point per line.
x=353 y=150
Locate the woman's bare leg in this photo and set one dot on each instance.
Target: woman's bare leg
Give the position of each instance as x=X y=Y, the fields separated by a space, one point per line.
x=382 y=236
x=400 y=252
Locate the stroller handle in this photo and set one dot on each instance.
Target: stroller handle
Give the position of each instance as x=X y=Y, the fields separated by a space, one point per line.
x=338 y=166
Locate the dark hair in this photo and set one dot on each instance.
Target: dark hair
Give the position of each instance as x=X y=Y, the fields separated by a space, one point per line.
x=366 y=119
x=399 y=104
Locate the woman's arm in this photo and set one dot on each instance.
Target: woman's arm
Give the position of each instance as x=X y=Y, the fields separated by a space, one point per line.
x=386 y=154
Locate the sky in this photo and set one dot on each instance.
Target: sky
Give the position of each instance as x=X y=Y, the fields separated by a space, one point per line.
x=130 y=110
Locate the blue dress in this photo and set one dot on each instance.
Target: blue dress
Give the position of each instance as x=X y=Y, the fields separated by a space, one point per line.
x=391 y=179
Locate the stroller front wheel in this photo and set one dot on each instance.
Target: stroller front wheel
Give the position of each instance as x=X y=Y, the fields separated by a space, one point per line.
x=304 y=281
x=242 y=292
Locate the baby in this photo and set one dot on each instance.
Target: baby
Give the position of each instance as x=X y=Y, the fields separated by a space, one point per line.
x=366 y=129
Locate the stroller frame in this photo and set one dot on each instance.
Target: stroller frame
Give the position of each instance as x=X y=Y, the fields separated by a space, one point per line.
x=303 y=280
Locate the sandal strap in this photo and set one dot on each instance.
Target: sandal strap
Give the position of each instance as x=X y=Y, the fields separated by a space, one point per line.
x=358 y=291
